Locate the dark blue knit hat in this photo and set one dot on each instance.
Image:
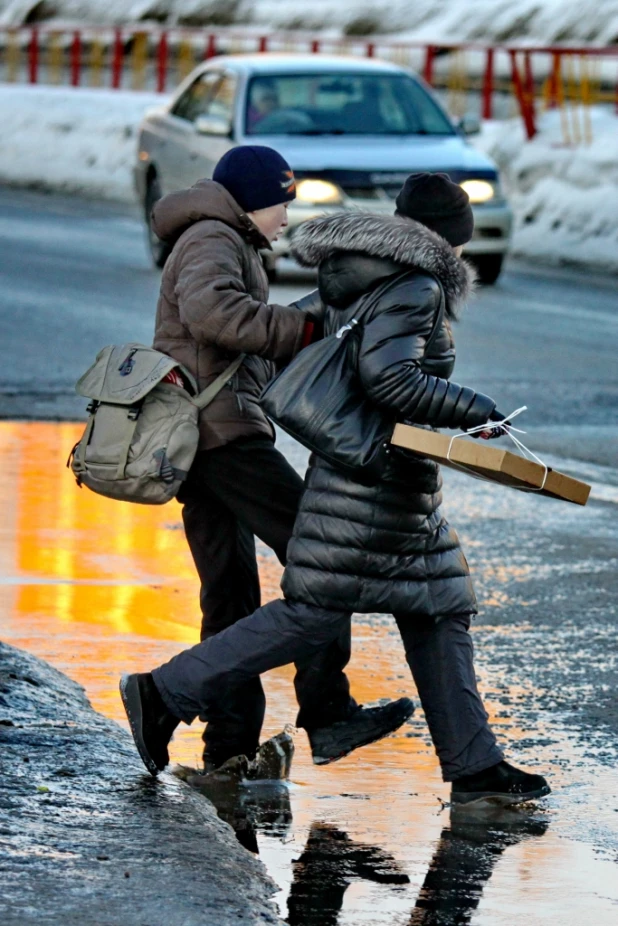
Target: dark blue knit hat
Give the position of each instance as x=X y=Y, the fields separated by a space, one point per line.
x=256 y=176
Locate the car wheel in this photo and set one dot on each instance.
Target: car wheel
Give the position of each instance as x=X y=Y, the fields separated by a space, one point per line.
x=159 y=250
x=488 y=267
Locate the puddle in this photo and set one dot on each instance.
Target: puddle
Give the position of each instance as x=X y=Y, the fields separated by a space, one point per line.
x=98 y=587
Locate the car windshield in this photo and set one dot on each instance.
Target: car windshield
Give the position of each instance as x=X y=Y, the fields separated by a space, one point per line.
x=342 y=104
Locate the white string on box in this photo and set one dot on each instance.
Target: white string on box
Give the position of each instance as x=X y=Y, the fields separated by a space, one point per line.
x=507 y=429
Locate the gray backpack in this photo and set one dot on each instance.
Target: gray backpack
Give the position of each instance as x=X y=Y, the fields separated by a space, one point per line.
x=142 y=434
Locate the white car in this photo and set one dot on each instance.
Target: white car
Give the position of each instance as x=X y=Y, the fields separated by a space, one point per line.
x=351 y=128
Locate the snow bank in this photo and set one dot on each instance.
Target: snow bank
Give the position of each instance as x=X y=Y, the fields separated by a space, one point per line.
x=565 y=199
x=537 y=21
x=77 y=141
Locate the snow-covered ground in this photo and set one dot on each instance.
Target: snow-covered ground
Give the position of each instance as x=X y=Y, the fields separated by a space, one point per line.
x=565 y=198
x=536 y=21
x=78 y=141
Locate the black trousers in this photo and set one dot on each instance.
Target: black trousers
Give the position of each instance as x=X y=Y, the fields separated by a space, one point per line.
x=234 y=492
x=439 y=653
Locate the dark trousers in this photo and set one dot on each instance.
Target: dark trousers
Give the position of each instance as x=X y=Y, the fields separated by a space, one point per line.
x=234 y=492
x=439 y=653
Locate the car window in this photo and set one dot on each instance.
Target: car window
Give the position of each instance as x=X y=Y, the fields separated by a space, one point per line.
x=342 y=103
x=195 y=100
x=222 y=101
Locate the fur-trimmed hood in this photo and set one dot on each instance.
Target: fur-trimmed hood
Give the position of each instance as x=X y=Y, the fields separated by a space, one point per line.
x=400 y=243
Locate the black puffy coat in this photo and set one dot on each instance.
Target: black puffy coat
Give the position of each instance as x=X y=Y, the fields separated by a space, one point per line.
x=387 y=548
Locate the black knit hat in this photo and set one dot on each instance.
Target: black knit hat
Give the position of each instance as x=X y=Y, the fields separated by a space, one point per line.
x=438 y=203
x=256 y=176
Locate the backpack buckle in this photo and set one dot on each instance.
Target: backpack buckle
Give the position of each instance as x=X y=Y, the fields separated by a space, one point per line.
x=92 y=407
x=126 y=367
x=133 y=413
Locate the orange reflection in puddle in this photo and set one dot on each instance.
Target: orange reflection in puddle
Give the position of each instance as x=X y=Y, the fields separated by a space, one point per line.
x=99 y=587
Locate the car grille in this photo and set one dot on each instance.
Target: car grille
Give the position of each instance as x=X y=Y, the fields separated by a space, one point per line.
x=380 y=192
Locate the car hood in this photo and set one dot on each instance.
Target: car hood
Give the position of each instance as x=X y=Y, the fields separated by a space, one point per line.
x=379 y=155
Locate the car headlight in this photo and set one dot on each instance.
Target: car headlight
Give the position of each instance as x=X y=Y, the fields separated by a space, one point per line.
x=317 y=191
x=479 y=191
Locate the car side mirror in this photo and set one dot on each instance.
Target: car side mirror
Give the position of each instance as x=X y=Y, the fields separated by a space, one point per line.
x=469 y=125
x=212 y=125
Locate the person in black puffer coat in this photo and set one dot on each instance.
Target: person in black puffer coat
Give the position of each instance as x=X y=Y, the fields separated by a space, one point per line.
x=385 y=548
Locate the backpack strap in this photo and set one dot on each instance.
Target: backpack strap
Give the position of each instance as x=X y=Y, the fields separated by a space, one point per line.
x=80 y=448
x=211 y=392
x=127 y=440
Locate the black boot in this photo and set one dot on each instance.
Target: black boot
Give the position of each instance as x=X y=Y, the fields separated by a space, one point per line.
x=499 y=784
x=363 y=726
x=152 y=725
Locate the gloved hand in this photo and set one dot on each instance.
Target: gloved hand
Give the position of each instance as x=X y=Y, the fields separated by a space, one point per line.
x=312 y=305
x=493 y=433
x=315 y=310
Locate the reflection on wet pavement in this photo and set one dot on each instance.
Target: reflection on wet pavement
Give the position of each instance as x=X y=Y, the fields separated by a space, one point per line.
x=97 y=587
x=463 y=863
x=330 y=862
x=251 y=808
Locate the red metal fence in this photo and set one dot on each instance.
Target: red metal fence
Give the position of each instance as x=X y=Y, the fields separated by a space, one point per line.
x=140 y=58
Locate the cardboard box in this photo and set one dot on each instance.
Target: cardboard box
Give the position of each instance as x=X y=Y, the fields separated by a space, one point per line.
x=491 y=462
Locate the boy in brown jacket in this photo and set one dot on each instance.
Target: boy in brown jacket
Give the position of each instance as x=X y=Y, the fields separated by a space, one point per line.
x=212 y=306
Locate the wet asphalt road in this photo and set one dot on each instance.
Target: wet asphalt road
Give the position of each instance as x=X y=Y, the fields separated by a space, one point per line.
x=75 y=277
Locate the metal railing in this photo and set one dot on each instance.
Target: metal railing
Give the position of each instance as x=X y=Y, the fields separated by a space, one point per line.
x=499 y=80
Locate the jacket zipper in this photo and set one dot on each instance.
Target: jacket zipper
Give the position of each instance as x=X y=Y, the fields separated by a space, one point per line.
x=234 y=386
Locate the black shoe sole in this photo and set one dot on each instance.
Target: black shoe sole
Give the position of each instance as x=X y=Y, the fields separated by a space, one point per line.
x=129 y=692
x=495 y=798
x=327 y=760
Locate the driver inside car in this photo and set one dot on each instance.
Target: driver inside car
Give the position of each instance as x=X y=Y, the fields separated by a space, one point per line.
x=264 y=101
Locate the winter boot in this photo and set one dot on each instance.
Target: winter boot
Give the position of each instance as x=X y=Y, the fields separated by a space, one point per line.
x=363 y=726
x=152 y=725
x=499 y=784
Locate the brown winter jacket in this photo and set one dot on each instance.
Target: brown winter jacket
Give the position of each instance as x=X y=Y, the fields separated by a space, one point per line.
x=212 y=306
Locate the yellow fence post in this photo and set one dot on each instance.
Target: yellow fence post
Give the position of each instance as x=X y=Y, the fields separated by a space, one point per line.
x=456 y=83
x=13 y=55
x=138 y=60
x=401 y=55
x=586 y=95
x=97 y=61
x=185 y=58
x=55 y=58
